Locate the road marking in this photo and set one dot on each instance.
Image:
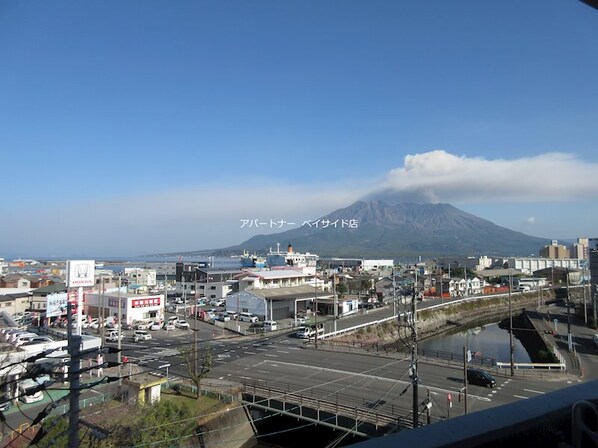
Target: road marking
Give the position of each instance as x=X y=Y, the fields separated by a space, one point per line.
x=271 y=355
x=250 y=353
x=534 y=391
x=281 y=351
x=374 y=377
x=521 y=396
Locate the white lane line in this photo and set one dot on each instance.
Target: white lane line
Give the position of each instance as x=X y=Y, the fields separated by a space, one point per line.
x=281 y=351
x=250 y=353
x=271 y=355
x=534 y=391
x=521 y=396
x=375 y=377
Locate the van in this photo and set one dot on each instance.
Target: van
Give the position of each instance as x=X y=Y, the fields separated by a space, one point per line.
x=270 y=325
x=248 y=317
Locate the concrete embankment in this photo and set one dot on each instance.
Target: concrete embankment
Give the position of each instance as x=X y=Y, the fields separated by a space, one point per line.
x=438 y=320
x=230 y=428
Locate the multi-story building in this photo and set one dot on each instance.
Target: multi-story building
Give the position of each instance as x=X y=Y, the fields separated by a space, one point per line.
x=580 y=249
x=555 y=250
x=211 y=283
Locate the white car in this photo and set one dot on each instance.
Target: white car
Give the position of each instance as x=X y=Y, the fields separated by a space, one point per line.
x=181 y=324
x=168 y=326
x=155 y=326
x=141 y=335
x=113 y=336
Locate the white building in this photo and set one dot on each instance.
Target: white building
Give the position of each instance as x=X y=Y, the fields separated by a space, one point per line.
x=141 y=276
x=277 y=303
x=133 y=307
x=279 y=278
x=374 y=265
x=529 y=265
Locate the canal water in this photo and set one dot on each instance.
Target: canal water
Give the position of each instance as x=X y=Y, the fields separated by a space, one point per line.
x=484 y=339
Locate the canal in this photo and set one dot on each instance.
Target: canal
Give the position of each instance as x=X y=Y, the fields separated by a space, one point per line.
x=484 y=339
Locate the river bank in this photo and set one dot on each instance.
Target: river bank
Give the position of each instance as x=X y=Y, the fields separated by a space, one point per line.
x=434 y=322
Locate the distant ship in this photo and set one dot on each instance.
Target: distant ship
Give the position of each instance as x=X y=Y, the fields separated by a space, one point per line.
x=252 y=261
x=290 y=258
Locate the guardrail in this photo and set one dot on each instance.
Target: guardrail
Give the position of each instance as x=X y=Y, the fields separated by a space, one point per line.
x=531 y=365
x=355 y=328
x=378 y=414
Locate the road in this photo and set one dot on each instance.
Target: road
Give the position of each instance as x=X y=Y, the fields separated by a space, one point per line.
x=281 y=362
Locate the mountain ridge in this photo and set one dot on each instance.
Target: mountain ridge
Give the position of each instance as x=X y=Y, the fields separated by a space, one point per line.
x=399 y=230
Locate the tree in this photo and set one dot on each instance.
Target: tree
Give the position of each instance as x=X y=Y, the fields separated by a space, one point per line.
x=196 y=372
x=341 y=290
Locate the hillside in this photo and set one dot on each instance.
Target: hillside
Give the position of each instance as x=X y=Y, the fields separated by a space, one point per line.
x=400 y=230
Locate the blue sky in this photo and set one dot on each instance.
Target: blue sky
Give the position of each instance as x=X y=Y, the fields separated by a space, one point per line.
x=137 y=127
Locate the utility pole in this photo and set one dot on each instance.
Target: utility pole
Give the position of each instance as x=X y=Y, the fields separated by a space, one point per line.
x=569 y=338
x=394 y=293
x=74 y=350
x=512 y=363
x=316 y=309
x=195 y=328
x=465 y=379
x=585 y=306
x=335 y=299
x=414 y=378
x=120 y=325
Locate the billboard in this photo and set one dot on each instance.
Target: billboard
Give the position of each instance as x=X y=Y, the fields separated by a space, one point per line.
x=56 y=304
x=80 y=273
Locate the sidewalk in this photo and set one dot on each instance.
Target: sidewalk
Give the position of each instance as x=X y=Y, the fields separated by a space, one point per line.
x=543 y=319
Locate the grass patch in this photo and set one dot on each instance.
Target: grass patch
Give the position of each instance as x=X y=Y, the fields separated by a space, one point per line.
x=204 y=404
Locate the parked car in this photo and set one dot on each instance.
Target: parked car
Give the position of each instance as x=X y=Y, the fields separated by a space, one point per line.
x=4 y=403
x=168 y=326
x=223 y=317
x=180 y=323
x=141 y=335
x=18 y=338
x=270 y=325
x=37 y=340
x=480 y=378
x=143 y=325
x=155 y=326
x=248 y=317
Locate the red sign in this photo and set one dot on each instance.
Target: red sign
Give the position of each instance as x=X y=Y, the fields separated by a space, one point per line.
x=449 y=397
x=143 y=303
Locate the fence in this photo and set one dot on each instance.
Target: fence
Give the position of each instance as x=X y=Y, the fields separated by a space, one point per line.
x=224 y=397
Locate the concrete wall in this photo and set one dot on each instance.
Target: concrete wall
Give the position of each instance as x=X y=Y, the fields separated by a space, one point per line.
x=229 y=429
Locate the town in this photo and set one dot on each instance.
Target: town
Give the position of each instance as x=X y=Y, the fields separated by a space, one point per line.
x=161 y=326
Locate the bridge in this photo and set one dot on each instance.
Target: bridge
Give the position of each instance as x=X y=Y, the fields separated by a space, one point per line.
x=363 y=419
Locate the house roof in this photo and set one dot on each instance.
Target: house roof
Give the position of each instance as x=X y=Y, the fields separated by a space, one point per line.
x=276 y=274
x=293 y=292
x=56 y=287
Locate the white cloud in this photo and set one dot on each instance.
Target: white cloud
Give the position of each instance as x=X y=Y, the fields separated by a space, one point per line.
x=185 y=219
x=438 y=176
x=195 y=217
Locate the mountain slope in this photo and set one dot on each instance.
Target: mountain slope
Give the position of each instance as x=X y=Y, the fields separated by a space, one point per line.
x=400 y=230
